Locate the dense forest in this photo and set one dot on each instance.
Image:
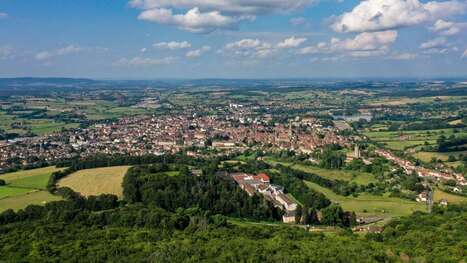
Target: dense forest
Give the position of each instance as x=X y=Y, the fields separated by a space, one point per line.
x=101 y=230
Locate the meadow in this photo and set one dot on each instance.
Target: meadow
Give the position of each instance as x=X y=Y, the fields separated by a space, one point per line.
x=367 y=204
x=357 y=177
x=451 y=198
x=25 y=188
x=96 y=181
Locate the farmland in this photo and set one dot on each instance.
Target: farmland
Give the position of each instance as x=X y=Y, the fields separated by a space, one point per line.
x=361 y=178
x=26 y=187
x=96 y=181
x=451 y=198
x=367 y=204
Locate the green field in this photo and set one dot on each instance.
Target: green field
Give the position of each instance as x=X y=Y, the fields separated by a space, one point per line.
x=427 y=156
x=31 y=198
x=366 y=204
x=400 y=140
x=361 y=178
x=107 y=180
x=26 y=187
x=451 y=198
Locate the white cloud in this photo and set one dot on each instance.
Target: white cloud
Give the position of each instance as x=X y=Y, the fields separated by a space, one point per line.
x=378 y=15
x=194 y=20
x=3 y=15
x=448 y=28
x=402 y=56
x=208 y=15
x=143 y=50
x=362 y=45
x=141 y=61
x=291 y=42
x=434 y=43
x=197 y=52
x=173 y=45
x=71 y=49
x=253 y=48
x=257 y=7
x=464 y=55
x=298 y=21
x=438 y=45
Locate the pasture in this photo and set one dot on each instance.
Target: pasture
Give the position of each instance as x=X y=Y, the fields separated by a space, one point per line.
x=25 y=188
x=107 y=180
x=367 y=204
x=360 y=178
x=451 y=198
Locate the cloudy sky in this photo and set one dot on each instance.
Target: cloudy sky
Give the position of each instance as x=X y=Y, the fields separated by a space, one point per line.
x=149 y=39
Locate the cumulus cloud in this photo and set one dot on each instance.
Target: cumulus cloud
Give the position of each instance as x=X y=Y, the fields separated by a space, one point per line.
x=362 y=45
x=257 y=7
x=248 y=48
x=464 y=55
x=193 y=20
x=291 y=42
x=3 y=15
x=448 y=28
x=172 y=45
x=439 y=45
x=208 y=15
x=71 y=49
x=142 y=61
x=197 y=52
x=378 y=15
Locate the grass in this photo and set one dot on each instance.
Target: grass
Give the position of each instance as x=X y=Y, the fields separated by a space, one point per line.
x=22 y=201
x=96 y=181
x=427 y=156
x=35 y=178
x=367 y=204
x=451 y=198
x=25 y=188
x=360 y=178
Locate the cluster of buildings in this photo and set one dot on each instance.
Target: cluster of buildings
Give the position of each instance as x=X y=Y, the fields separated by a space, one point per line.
x=410 y=168
x=169 y=134
x=260 y=183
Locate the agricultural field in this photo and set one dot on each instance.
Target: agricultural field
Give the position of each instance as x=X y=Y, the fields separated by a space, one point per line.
x=427 y=156
x=369 y=205
x=361 y=178
x=26 y=187
x=96 y=181
x=401 y=140
x=451 y=198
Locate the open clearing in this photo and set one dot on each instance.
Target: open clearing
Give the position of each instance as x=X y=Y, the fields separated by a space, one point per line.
x=366 y=204
x=96 y=181
x=360 y=178
x=22 y=201
x=451 y=198
x=25 y=188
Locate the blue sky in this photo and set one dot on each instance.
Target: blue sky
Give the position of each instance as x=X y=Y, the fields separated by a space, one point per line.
x=150 y=39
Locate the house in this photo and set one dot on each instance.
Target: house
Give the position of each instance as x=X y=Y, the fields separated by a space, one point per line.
x=422 y=197
x=288 y=204
x=443 y=202
x=289 y=217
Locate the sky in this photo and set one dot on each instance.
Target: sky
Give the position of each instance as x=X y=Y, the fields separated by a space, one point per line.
x=153 y=39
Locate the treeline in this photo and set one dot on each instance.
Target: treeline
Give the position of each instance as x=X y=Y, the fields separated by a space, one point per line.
x=129 y=234
x=210 y=192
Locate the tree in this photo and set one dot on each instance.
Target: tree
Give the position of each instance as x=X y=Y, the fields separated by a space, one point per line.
x=2 y=182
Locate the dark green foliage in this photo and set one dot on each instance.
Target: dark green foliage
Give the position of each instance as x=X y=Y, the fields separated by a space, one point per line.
x=2 y=182
x=209 y=192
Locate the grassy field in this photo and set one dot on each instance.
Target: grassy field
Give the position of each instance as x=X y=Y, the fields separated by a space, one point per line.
x=32 y=198
x=427 y=156
x=96 y=181
x=451 y=198
x=26 y=187
x=366 y=204
x=352 y=176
